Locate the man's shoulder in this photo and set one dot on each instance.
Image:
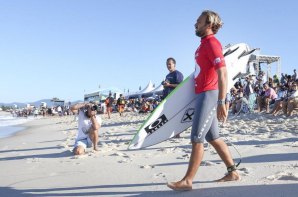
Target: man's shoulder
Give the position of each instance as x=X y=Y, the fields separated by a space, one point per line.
x=213 y=42
x=178 y=72
x=179 y=75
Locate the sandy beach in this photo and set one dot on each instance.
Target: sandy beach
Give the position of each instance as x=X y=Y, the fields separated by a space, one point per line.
x=38 y=161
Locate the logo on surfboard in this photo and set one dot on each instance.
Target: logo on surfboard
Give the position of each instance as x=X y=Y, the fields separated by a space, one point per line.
x=188 y=115
x=156 y=124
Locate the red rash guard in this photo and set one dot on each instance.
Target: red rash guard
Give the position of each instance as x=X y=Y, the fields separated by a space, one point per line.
x=208 y=59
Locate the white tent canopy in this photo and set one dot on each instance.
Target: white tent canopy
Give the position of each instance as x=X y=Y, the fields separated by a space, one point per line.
x=147 y=89
x=157 y=89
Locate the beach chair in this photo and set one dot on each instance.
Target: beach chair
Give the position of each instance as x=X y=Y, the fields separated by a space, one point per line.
x=247 y=105
x=252 y=102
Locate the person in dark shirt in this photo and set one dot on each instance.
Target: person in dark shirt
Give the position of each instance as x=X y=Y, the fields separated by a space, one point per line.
x=172 y=79
x=121 y=104
x=109 y=103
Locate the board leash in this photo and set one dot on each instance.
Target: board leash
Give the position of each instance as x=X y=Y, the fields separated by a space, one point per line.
x=229 y=141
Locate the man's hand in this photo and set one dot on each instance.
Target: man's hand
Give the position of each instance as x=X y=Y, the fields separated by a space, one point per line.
x=221 y=113
x=166 y=84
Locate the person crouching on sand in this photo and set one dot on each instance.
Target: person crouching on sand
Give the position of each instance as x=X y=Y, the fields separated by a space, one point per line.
x=88 y=127
x=211 y=89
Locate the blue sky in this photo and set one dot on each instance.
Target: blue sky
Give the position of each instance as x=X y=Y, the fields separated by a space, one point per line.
x=64 y=48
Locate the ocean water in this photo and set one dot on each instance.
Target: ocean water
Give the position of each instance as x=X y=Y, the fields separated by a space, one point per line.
x=10 y=125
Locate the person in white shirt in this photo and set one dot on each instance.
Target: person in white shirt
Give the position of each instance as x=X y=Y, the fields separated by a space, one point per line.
x=59 y=110
x=88 y=127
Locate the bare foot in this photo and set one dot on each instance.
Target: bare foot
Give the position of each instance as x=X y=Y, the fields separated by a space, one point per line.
x=180 y=186
x=232 y=176
x=95 y=149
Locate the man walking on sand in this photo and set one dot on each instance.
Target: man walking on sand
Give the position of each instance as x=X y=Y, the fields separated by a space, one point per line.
x=211 y=89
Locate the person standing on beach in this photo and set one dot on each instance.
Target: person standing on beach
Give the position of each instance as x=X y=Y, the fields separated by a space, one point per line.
x=210 y=88
x=109 y=103
x=121 y=104
x=88 y=127
x=173 y=79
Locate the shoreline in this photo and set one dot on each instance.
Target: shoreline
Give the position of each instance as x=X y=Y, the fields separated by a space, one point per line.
x=38 y=161
x=13 y=129
x=8 y=131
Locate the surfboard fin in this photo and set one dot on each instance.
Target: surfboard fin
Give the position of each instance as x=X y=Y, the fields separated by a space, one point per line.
x=229 y=52
x=241 y=75
x=244 y=53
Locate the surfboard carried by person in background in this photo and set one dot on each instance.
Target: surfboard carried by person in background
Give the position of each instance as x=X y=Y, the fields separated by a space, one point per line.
x=210 y=88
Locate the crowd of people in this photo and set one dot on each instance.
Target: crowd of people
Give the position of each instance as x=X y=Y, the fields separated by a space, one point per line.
x=44 y=111
x=256 y=93
x=252 y=93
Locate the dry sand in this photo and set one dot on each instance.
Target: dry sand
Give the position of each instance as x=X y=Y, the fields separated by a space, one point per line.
x=38 y=161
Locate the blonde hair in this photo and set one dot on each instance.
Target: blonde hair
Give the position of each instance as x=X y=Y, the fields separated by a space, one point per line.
x=213 y=19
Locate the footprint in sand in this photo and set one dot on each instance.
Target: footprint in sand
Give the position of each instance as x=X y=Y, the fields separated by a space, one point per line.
x=167 y=150
x=261 y=146
x=32 y=160
x=79 y=156
x=93 y=153
x=125 y=160
x=241 y=131
x=160 y=176
x=294 y=144
x=213 y=152
x=284 y=176
x=184 y=157
x=147 y=166
x=119 y=154
x=244 y=171
x=207 y=163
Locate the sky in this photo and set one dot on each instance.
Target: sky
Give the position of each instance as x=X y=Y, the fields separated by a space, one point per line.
x=65 y=48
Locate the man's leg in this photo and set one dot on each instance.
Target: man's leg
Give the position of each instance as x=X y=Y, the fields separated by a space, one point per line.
x=285 y=107
x=278 y=108
x=79 y=150
x=109 y=112
x=234 y=107
x=267 y=103
x=94 y=137
x=194 y=163
x=290 y=108
x=224 y=153
x=259 y=102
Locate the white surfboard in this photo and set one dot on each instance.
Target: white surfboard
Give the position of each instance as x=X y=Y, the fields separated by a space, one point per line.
x=174 y=114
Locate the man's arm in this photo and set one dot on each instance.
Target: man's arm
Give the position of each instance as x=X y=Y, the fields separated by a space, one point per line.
x=169 y=85
x=222 y=92
x=76 y=107
x=94 y=122
x=179 y=79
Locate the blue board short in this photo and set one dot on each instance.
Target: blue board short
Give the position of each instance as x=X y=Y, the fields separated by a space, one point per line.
x=205 y=123
x=85 y=143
